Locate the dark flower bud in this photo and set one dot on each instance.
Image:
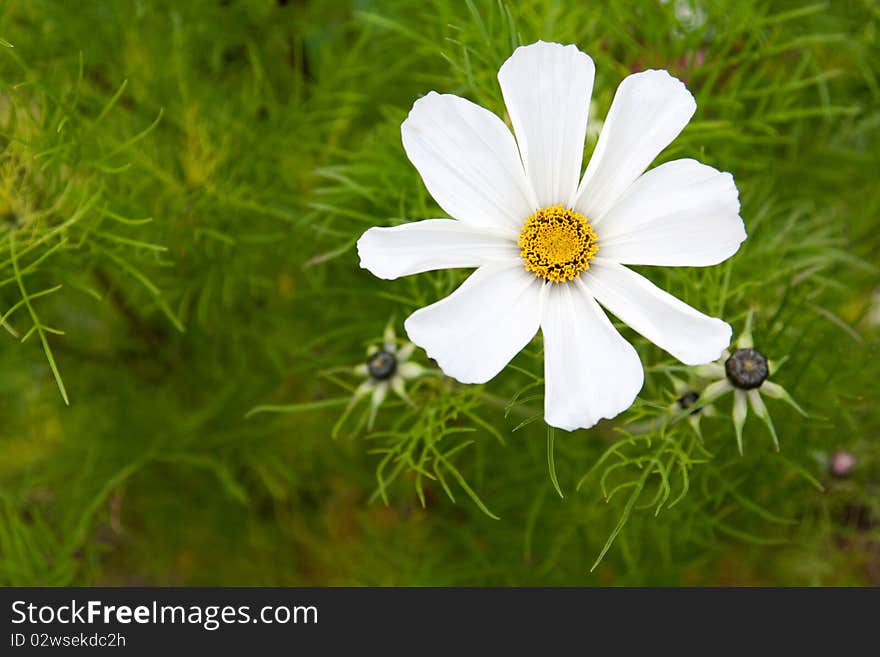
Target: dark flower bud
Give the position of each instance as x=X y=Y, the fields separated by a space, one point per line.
x=382 y=365
x=687 y=400
x=746 y=369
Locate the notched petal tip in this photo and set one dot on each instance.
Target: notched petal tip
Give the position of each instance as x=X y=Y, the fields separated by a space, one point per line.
x=370 y=254
x=714 y=347
x=409 y=124
x=736 y=205
x=569 y=426
x=716 y=340
x=661 y=83
x=568 y=422
x=420 y=102
x=540 y=47
x=448 y=364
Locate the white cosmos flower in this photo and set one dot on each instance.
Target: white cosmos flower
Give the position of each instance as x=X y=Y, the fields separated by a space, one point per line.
x=548 y=244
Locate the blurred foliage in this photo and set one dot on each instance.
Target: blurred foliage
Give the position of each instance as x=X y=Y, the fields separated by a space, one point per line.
x=181 y=188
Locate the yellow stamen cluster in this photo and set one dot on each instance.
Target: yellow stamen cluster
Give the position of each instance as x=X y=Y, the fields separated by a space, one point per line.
x=557 y=244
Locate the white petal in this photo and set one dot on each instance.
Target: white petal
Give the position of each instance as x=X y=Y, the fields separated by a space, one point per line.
x=431 y=244
x=682 y=213
x=590 y=371
x=686 y=333
x=649 y=110
x=475 y=331
x=547 y=89
x=469 y=162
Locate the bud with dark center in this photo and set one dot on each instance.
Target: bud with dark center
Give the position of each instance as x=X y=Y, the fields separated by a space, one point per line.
x=687 y=400
x=747 y=369
x=382 y=365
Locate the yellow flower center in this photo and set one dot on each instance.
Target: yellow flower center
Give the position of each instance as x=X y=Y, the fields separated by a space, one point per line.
x=557 y=244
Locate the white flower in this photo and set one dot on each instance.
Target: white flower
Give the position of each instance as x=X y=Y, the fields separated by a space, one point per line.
x=548 y=248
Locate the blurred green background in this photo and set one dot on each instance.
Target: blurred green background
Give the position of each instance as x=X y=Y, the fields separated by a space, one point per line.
x=194 y=175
